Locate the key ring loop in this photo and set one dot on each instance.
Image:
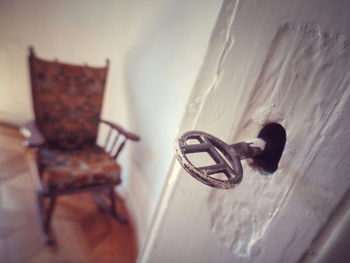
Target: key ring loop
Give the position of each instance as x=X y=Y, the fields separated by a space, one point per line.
x=230 y=165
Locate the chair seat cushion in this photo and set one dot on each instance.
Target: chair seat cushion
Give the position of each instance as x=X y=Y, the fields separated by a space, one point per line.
x=90 y=166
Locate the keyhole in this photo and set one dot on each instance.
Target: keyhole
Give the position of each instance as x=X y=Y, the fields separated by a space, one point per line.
x=275 y=137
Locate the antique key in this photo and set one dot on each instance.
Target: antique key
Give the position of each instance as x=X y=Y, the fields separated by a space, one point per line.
x=265 y=152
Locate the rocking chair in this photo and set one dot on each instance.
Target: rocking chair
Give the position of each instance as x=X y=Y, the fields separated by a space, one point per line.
x=67 y=103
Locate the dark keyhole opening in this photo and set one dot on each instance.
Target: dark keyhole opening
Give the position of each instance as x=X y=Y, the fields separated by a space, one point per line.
x=275 y=137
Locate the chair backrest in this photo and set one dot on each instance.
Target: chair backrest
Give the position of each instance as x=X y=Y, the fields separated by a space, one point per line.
x=67 y=101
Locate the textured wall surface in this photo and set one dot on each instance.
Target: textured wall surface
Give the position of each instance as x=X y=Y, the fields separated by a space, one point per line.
x=273 y=61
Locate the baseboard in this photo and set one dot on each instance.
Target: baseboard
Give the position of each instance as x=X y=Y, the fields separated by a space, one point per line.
x=9 y=125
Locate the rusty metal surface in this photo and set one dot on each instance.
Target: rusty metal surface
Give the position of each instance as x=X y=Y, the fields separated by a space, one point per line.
x=226 y=157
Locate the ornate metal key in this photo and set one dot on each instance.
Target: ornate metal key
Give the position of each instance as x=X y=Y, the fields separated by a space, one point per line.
x=265 y=152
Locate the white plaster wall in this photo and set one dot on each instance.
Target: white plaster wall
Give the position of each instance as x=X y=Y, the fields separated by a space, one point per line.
x=160 y=71
x=284 y=61
x=332 y=243
x=155 y=47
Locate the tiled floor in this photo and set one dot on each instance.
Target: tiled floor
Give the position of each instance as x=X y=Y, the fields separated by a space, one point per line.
x=82 y=232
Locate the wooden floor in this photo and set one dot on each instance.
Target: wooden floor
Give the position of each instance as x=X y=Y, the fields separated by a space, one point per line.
x=82 y=232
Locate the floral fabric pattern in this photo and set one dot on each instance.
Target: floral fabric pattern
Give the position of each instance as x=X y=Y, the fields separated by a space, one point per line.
x=67 y=102
x=75 y=169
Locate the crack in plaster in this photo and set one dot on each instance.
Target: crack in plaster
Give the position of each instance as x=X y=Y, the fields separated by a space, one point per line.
x=197 y=106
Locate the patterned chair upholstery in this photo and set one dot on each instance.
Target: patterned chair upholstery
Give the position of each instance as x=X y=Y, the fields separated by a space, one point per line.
x=67 y=102
x=76 y=169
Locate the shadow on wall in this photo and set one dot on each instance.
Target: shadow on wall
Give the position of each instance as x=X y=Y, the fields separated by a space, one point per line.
x=159 y=74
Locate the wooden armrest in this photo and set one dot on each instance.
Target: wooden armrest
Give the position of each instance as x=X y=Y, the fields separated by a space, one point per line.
x=33 y=136
x=128 y=135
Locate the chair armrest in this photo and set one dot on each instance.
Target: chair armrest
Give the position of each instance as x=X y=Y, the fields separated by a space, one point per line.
x=33 y=136
x=127 y=134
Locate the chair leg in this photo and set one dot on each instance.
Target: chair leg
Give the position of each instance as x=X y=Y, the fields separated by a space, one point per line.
x=112 y=198
x=114 y=211
x=49 y=214
x=109 y=206
x=45 y=216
